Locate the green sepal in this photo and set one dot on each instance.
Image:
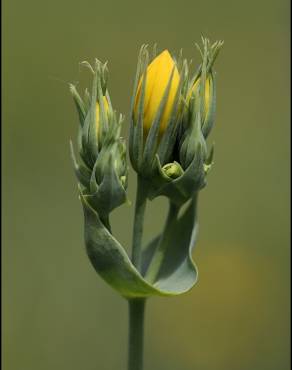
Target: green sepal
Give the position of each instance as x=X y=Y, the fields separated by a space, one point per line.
x=151 y=142
x=178 y=272
x=136 y=123
x=109 y=194
x=209 y=162
x=210 y=116
x=81 y=109
x=87 y=99
x=82 y=173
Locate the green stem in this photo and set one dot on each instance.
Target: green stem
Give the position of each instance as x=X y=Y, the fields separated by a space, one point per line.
x=159 y=253
x=136 y=306
x=140 y=207
x=136 y=334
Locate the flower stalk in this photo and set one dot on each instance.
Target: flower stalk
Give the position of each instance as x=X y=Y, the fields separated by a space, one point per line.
x=140 y=206
x=137 y=306
x=136 y=334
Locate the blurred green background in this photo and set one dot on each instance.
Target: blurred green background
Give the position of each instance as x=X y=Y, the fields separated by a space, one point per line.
x=57 y=313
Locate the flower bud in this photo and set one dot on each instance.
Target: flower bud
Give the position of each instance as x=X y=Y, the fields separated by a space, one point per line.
x=159 y=90
x=103 y=173
x=187 y=169
x=172 y=170
x=171 y=118
x=158 y=74
x=201 y=101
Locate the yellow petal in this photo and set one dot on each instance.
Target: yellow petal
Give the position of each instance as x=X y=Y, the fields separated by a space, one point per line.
x=105 y=102
x=207 y=92
x=158 y=74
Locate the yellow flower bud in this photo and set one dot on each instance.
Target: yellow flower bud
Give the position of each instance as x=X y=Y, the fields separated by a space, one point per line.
x=158 y=75
x=105 y=102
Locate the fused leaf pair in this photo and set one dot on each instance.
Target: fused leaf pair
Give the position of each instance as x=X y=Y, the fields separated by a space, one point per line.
x=177 y=273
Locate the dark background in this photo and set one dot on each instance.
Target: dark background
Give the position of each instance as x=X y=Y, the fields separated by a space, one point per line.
x=57 y=313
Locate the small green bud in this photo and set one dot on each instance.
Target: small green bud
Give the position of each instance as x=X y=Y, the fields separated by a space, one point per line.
x=173 y=170
x=104 y=172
